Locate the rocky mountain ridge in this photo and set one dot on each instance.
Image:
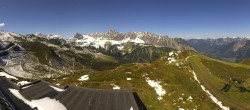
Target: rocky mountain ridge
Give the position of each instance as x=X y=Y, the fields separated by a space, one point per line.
x=40 y=55
x=113 y=37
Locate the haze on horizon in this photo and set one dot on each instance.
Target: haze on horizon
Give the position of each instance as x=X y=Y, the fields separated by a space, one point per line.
x=175 y=18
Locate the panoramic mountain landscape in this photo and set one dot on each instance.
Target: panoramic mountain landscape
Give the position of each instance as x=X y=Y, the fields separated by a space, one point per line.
x=124 y=55
x=170 y=74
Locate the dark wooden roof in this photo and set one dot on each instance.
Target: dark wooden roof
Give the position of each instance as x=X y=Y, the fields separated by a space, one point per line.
x=14 y=102
x=77 y=98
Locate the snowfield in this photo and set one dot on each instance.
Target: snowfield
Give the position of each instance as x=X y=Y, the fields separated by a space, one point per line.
x=7 y=75
x=158 y=88
x=84 y=78
x=41 y=104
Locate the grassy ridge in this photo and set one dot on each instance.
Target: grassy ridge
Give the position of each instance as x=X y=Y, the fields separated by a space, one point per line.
x=215 y=74
x=175 y=78
x=85 y=59
x=247 y=62
x=177 y=81
x=42 y=52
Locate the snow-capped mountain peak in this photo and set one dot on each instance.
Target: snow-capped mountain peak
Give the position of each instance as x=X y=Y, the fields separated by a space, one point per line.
x=54 y=37
x=87 y=40
x=8 y=36
x=51 y=36
x=113 y=37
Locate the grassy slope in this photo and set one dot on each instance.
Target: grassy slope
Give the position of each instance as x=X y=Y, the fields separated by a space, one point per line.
x=247 y=62
x=176 y=80
x=85 y=59
x=41 y=51
x=213 y=74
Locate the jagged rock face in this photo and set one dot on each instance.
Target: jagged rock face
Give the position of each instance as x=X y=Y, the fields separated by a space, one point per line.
x=41 y=35
x=239 y=44
x=230 y=49
x=145 y=38
x=78 y=36
x=112 y=34
x=8 y=36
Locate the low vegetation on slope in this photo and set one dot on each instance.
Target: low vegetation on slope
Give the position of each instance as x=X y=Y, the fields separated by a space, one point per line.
x=167 y=82
x=44 y=53
x=136 y=53
x=163 y=84
x=228 y=82
x=98 y=62
x=247 y=61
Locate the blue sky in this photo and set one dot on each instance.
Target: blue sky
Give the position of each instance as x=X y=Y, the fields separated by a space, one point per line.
x=175 y=18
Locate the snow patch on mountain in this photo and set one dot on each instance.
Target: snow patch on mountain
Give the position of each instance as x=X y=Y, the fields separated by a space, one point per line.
x=215 y=100
x=120 y=47
x=138 y=41
x=8 y=36
x=158 y=88
x=54 y=37
x=128 y=72
x=115 y=86
x=170 y=53
x=103 y=42
x=84 y=78
x=190 y=98
x=195 y=77
x=171 y=60
x=129 y=79
x=172 y=57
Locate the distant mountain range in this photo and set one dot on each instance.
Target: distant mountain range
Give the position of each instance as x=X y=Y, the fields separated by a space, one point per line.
x=40 y=54
x=116 y=44
x=112 y=37
x=229 y=49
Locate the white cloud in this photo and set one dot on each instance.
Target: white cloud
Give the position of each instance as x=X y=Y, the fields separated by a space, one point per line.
x=2 y=24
